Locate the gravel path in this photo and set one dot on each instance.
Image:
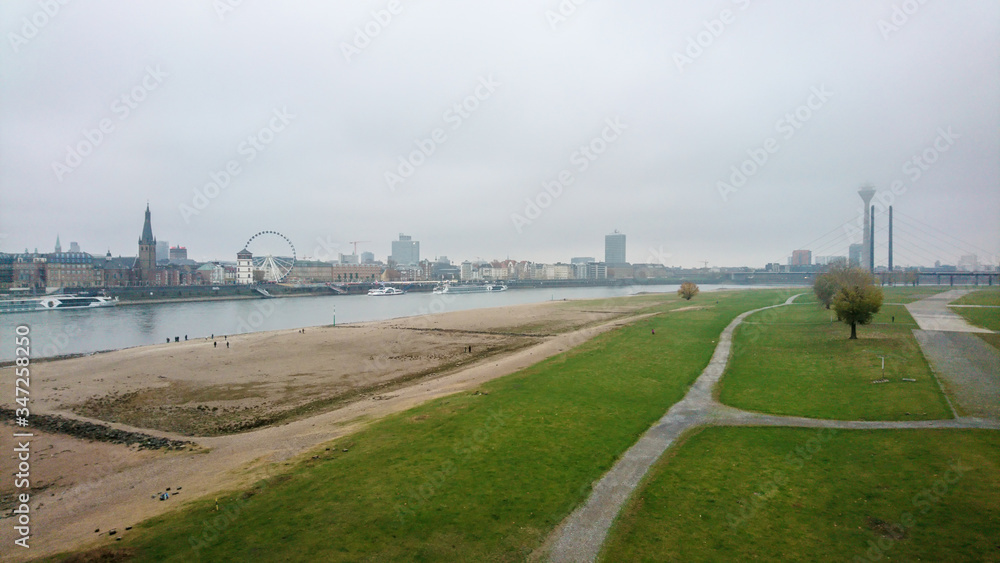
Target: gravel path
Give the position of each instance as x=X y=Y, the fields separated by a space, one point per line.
x=581 y=535
x=969 y=367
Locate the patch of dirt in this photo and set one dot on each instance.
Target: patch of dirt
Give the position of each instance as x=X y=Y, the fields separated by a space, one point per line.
x=886 y=529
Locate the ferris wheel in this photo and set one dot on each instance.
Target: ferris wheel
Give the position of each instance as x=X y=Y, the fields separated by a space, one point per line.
x=273 y=255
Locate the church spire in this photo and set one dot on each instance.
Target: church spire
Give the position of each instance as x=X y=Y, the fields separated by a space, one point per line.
x=147 y=230
x=58 y=246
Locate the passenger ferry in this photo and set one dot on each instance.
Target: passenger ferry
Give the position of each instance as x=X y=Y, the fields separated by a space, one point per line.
x=386 y=290
x=55 y=302
x=470 y=288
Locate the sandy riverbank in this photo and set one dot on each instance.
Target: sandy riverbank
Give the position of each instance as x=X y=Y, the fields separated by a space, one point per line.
x=297 y=390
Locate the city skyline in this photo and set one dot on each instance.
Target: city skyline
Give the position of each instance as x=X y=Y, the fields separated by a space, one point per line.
x=795 y=257
x=731 y=133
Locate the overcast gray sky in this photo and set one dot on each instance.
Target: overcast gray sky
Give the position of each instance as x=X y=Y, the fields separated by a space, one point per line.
x=666 y=98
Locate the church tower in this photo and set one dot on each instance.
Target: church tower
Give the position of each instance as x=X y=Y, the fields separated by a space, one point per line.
x=147 y=253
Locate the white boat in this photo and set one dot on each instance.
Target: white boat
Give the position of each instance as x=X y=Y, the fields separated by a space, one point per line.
x=470 y=288
x=56 y=303
x=386 y=290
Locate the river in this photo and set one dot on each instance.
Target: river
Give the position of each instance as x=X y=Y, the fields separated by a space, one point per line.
x=55 y=333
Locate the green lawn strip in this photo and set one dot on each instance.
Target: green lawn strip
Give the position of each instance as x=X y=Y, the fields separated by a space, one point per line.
x=797 y=494
x=981 y=297
x=909 y=294
x=467 y=477
x=986 y=318
x=795 y=361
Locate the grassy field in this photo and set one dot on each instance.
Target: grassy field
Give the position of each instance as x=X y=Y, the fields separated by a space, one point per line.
x=792 y=494
x=981 y=297
x=909 y=294
x=477 y=476
x=795 y=361
x=985 y=317
x=892 y=294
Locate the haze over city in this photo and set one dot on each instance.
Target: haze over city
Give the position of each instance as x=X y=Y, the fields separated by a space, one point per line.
x=447 y=121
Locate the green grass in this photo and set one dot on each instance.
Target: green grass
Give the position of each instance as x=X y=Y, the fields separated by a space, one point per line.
x=981 y=297
x=892 y=294
x=467 y=477
x=908 y=294
x=986 y=318
x=794 y=494
x=795 y=361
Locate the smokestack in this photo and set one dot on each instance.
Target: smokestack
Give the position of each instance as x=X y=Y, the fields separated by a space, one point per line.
x=890 y=241
x=867 y=192
x=871 y=242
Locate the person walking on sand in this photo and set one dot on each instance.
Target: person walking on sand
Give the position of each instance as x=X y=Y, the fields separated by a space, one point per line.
x=227 y=344
x=215 y=345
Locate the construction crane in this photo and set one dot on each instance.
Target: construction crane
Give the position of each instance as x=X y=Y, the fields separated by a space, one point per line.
x=355 y=243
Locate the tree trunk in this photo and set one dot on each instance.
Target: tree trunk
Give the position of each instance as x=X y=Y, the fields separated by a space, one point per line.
x=854 y=331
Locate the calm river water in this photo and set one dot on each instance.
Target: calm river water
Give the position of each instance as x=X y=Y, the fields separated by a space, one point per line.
x=56 y=333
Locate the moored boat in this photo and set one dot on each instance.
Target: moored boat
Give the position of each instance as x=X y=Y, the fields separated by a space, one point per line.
x=56 y=303
x=386 y=290
x=470 y=288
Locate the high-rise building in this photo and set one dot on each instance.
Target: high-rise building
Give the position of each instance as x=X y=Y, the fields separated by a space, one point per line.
x=801 y=258
x=367 y=257
x=582 y=260
x=855 y=254
x=614 y=249
x=867 y=192
x=827 y=260
x=162 y=250
x=178 y=253
x=405 y=251
x=968 y=263
x=146 y=264
x=74 y=247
